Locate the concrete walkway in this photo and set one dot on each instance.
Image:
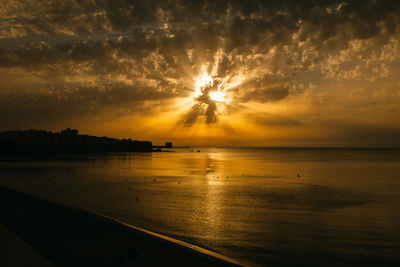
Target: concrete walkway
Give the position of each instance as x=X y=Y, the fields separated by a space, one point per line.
x=14 y=252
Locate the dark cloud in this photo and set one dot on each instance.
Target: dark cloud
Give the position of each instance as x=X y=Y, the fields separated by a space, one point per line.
x=232 y=24
x=204 y=105
x=363 y=134
x=66 y=102
x=268 y=119
x=266 y=94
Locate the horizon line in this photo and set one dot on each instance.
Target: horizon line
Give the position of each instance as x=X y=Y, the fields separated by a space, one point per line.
x=289 y=147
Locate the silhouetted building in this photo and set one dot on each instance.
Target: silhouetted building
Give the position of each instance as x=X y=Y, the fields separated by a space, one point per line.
x=168 y=144
x=69 y=132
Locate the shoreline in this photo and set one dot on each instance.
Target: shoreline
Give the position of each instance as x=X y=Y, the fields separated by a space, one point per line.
x=69 y=236
x=175 y=241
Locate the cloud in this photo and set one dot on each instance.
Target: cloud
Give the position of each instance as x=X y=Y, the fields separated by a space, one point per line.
x=204 y=105
x=264 y=90
x=60 y=103
x=268 y=119
x=361 y=134
x=77 y=57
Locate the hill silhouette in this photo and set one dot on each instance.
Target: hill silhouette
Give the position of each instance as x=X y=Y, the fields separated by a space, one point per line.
x=66 y=141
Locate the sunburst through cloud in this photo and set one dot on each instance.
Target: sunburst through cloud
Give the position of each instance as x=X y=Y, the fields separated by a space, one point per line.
x=209 y=93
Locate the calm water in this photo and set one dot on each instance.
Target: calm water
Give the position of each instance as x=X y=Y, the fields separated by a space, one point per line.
x=248 y=204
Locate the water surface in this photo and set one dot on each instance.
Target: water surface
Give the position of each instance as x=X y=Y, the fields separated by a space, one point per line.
x=246 y=203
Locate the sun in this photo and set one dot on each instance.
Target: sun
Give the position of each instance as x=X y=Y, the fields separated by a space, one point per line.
x=202 y=81
x=209 y=87
x=217 y=96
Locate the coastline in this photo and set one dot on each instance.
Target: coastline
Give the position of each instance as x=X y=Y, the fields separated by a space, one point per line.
x=68 y=236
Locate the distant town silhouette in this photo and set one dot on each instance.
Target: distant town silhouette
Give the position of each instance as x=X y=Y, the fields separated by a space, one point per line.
x=69 y=141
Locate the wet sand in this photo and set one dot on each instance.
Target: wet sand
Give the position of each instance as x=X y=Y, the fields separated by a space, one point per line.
x=67 y=236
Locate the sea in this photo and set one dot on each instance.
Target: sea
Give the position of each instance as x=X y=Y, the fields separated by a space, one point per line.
x=259 y=206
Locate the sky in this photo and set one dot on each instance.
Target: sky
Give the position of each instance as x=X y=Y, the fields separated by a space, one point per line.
x=217 y=72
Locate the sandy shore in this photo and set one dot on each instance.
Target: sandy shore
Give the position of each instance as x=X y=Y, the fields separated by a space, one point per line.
x=14 y=252
x=67 y=236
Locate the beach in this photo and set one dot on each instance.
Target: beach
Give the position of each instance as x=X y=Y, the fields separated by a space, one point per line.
x=15 y=252
x=66 y=236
